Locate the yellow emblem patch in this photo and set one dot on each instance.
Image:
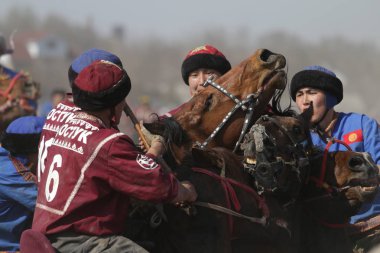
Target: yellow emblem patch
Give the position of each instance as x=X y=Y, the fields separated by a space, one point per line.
x=353 y=137
x=198 y=49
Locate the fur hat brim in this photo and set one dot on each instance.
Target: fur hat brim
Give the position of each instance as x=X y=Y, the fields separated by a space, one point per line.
x=207 y=61
x=318 y=80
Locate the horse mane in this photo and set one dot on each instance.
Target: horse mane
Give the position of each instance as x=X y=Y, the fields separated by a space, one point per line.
x=173 y=133
x=276 y=105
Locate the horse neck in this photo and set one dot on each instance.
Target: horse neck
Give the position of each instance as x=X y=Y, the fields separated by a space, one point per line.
x=318 y=201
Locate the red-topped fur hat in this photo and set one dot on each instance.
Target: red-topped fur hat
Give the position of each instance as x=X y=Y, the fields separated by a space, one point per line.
x=207 y=57
x=100 y=85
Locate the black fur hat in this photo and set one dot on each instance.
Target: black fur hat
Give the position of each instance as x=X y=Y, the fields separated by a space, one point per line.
x=317 y=77
x=207 y=57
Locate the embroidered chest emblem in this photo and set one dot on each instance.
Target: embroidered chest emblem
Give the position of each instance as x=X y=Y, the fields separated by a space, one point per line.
x=146 y=162
x=354 y=136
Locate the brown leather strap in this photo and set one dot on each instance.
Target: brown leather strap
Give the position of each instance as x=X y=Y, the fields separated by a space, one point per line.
x=262 y=220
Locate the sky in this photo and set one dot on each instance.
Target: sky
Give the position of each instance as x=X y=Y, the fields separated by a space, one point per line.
x=172 y=19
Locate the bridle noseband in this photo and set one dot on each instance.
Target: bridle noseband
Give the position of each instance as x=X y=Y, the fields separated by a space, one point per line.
x=247 y=105
x=274 y=164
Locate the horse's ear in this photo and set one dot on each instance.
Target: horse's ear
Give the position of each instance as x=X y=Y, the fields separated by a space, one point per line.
x=207 y=157
x=306 y=115
x=156 y=127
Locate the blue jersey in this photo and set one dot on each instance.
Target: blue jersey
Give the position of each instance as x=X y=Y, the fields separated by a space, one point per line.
x=362 y=134
x=18 y=193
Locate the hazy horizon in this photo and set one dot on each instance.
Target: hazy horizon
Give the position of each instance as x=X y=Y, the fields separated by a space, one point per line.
x=170 y=19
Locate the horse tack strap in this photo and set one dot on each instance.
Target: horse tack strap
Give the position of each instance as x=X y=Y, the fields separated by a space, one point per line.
x=251 y=100
x=262 y=220
x=230 y=195
x=262 y=204
x=328 y=224
x=229 y=192
x=210 y=81
x=281 y=127
x=325 y=154
x=247 y=120
x=334 y=225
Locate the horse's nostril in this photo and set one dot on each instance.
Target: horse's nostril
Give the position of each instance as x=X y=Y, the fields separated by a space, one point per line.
x=356 y=162
x=263 y=169
x=266 y=56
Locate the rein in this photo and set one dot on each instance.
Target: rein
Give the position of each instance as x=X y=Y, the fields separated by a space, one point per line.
x=246 y=104
x=321 y=180
x=230 y=195
x=328 y=224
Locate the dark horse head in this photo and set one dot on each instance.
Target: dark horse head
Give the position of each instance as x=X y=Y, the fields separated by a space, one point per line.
x=328 y=188
x=278 y=146
x=275 y=152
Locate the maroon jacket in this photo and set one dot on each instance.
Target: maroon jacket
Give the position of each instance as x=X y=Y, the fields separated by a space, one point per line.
x=86 y=174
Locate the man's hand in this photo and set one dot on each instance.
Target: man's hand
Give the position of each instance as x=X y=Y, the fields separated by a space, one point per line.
x=157 y=146
x=148 y=135
x=156 y=142
x=186 y=193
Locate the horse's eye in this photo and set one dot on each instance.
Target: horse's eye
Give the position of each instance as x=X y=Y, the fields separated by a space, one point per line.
x=208 y=101
x=297 y=130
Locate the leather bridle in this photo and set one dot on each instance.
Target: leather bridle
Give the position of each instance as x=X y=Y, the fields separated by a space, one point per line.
x=247 y=105
x=274 y=164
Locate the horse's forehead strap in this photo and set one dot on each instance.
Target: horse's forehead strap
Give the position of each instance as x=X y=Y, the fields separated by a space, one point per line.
x=251 y=100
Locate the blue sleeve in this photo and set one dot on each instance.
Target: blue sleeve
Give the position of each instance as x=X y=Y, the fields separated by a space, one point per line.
x=14 y=187
x=371 y=136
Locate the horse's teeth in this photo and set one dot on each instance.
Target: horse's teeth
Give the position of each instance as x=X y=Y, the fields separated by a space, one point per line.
x=250 y=161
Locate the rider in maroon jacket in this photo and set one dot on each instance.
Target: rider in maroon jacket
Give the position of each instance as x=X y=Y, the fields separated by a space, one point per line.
x=88 y=170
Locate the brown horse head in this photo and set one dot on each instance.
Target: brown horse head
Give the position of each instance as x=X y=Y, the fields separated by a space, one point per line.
x=353 y=174
x=258 y=76
x=18 y=96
